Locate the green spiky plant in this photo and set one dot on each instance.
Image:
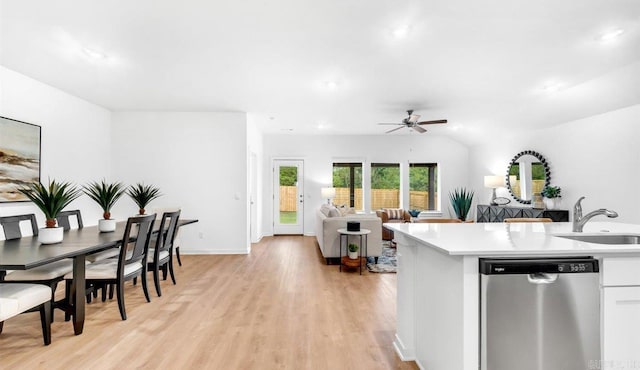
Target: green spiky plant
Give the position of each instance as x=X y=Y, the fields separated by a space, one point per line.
x=551 y=192
x=105 y=194
x=51 y=199
x=461 y=200
x=143 y=195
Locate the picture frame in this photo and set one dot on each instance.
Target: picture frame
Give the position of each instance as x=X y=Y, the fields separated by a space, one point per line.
x=20 y=157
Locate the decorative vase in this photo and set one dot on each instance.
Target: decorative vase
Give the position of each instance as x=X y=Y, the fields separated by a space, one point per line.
x=106 y=226
x=353 y=255
x=551 y=203
x=50 y=235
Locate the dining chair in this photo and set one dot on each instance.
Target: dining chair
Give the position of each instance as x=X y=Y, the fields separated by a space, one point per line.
x=19 y=298
x=11 y=225
x=130 y=264
x=63 y=219
x=50 y=274
x=437 y=221
x=161 y=256
x=177 y=241
x=524 y=219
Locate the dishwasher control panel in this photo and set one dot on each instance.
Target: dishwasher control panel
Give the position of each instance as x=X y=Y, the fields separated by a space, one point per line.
x=570 y=265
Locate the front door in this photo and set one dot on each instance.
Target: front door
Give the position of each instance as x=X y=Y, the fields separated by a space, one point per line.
x=288 y=197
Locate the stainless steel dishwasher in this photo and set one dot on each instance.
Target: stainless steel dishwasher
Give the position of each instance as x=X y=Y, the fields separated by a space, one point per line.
x=539 y=314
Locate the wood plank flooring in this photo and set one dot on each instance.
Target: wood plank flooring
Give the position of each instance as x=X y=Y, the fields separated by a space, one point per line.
x=280 y=307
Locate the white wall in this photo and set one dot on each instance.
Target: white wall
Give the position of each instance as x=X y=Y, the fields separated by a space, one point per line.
x=255 y=146
x=199 y=161
x=319 y=153
x=75 y=137
x=597 y=157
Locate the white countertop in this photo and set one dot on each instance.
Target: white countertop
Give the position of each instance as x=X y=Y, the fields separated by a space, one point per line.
x=503 y=239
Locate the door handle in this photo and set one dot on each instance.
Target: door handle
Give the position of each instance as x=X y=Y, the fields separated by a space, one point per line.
x=542 y=278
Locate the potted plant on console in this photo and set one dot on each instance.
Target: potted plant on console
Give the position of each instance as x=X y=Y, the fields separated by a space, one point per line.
x=461 y=200
x=551 y=196
x=106 y=195
x=143 y=195
x=51 y=200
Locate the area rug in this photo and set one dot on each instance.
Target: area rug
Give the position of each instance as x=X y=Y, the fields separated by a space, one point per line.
x=386 y=262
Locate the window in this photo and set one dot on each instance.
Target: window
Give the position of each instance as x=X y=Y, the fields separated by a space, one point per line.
x=347 y=179
x=385 y=185
x=423 y=194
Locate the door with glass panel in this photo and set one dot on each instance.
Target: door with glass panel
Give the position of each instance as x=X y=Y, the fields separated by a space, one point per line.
x=288 y=197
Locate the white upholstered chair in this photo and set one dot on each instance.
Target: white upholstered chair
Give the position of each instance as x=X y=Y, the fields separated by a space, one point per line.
x=18 y=298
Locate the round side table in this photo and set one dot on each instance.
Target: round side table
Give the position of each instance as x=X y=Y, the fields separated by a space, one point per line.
x=344 y=235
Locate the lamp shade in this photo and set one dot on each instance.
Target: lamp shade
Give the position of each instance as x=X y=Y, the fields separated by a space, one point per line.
x=328 y=193
x=493 y=181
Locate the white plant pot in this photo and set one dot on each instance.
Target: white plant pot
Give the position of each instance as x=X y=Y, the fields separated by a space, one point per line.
x=353 y=255
x=551 y=203
x=50 y=235
x=107 y=226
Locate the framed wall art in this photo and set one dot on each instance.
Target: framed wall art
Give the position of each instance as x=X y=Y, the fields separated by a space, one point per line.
x=19 y=157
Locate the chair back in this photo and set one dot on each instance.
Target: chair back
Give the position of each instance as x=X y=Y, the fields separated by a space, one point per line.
x=541 y=219
x=167 y=232
x=135 y=241
x=11 y=225
x=63 y=219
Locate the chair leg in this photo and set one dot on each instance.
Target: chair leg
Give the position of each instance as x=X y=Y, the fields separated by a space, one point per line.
x=143 y=277
x=1 y=326
x=111 y=287
x=178 y=256
x=54 y=286
x=120 y=295
x=104 y=292
x=156 y=280
x=67 y=293
x=164 y=271
x=45 y=318
x=173 y=276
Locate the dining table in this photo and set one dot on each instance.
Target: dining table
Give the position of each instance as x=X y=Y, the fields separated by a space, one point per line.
x=26 y=253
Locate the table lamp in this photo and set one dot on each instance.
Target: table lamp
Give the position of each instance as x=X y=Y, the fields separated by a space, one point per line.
x=493 y=182
x=328 y=193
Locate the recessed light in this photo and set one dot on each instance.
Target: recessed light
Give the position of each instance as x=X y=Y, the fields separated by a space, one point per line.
x=94 y=54
x=272 y=118
x=611 y=35
x=400 y=31
x=286 y=129
x=331 y=84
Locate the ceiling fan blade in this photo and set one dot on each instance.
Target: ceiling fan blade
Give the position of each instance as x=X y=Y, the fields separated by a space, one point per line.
x=391 y=123
x=432 y=122
x=395 y=129
x=413 y=118
x=419 y=129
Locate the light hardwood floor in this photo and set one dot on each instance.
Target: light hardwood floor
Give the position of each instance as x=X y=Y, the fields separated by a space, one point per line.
x=280 y=307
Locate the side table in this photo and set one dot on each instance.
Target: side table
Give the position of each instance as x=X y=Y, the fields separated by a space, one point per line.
x=345 y=260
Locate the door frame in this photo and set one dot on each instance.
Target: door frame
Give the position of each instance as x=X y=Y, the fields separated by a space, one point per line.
x=298 y=228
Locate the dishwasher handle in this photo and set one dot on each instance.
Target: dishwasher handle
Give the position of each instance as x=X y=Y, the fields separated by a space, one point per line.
x=526 y=266
x=540 y=278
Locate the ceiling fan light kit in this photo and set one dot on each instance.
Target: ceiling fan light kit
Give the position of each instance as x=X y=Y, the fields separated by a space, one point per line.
x=411 y=122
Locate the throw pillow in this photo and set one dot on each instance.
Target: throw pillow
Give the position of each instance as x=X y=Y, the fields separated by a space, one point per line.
x=334 y=212
x=394 y=213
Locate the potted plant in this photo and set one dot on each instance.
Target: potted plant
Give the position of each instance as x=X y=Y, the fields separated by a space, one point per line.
x=106 y=195
x=143 y=195
x=353 y=251
x=51 y=200
x=461 y=200
x=551 y=196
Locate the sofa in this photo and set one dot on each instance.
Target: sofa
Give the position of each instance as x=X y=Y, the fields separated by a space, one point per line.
x=329 y=219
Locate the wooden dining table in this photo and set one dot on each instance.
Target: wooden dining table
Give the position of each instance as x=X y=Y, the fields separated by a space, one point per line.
x=26 y=253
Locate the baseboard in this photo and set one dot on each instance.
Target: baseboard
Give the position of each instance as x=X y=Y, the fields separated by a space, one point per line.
x=402 y=351
x=309 y=234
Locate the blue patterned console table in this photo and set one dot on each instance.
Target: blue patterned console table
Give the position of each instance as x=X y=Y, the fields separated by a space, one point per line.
x=487 y=213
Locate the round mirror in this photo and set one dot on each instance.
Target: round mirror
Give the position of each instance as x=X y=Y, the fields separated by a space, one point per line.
x=527 y=174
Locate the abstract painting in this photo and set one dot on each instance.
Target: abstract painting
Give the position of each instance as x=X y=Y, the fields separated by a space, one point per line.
x=19 y=158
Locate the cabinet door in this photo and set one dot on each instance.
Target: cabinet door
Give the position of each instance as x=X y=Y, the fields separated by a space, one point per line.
x=621 y=327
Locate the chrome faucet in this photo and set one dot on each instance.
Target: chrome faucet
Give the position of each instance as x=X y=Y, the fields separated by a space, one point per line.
x=579 y=220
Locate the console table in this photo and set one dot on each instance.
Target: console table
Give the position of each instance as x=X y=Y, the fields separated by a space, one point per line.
x=488 y=213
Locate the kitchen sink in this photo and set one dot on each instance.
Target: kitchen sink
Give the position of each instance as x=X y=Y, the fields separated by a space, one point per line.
x=604 y=239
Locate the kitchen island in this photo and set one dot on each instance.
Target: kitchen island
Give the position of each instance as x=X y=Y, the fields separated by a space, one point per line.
x=438 y=321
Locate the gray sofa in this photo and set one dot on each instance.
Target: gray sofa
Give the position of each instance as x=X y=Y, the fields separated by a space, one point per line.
x=328 y=221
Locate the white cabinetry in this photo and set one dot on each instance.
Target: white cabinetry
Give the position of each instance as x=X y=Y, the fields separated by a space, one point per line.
x=620 y=313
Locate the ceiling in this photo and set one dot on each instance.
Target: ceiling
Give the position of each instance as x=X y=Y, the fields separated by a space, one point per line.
x=334 y=66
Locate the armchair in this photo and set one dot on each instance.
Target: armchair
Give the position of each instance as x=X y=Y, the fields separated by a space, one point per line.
x=392 y=215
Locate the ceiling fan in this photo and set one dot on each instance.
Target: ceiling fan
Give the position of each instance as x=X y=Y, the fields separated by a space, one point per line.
x=412 y=123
